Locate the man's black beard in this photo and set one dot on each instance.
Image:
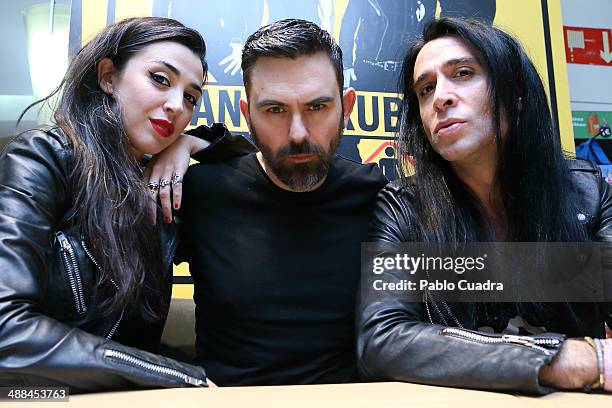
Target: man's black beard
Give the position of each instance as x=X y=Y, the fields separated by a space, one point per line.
x=299 y=176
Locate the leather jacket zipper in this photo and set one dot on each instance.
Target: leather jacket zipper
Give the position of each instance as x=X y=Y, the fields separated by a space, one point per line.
x=89 y=254
x=546 y=345
x=115 y=326
x=72 y=269
x=91 y=257
x=158 y=369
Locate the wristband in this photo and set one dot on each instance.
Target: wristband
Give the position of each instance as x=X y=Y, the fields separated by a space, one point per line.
x=599 y=382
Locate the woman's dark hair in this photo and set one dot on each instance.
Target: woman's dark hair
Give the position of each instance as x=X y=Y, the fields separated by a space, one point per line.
x=110 y=200
x=531 y=173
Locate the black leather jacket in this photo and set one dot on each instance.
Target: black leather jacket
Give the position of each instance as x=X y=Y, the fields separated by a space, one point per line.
x=401 y=341
x=50 y=330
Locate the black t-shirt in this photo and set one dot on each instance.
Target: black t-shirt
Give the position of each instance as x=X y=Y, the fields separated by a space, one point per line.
x=275 y=272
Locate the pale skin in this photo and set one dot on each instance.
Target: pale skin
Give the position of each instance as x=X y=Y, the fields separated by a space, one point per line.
x=450 y=85
x=172 y=163
x=160 y=83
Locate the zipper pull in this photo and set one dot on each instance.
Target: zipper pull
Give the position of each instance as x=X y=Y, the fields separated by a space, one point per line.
x=193 y=381
x=524 y=340
x=63 y=241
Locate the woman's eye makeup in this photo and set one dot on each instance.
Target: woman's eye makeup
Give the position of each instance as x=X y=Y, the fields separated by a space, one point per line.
x=160 y=79
x=163 y=80
x=191 y=99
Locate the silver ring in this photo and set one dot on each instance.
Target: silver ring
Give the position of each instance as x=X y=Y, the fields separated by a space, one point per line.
x=153 y=186
x=163 y=183
x=176 y=179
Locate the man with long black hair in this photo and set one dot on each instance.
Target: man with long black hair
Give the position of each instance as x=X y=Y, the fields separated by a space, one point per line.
x=489 y=167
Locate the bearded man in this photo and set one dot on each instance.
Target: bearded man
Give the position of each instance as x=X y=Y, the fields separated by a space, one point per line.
x=273 y=237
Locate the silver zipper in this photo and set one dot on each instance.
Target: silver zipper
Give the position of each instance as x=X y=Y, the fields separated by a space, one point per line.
x=152 y=367
x=113 y=329
x=435 y=305
x=426 y=296
x=452 y=315
x=72 y=269
x=115 y=326
x=543 y=344
x=89 y=254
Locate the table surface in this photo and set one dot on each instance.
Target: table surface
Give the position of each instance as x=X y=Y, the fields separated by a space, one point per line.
x=383 y=395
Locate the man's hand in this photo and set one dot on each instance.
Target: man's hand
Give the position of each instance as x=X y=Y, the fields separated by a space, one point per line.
x=574 y=367
x=167 y=169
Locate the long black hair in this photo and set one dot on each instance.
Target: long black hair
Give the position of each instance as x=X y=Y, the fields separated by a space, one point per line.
x=110 y=198
x=531 y=171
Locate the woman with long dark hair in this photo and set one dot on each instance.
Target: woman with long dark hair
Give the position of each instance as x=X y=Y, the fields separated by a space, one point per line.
x=86 y=273
x=489 y=167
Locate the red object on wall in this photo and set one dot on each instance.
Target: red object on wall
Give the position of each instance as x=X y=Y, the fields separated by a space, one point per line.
x=588 y=45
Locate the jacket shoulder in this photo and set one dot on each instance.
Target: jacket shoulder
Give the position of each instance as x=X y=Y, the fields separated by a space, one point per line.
x=47 y=142
x=580 y=165
x=586 y=179
x=393 y=216
x=36 y=163
x=402 y=187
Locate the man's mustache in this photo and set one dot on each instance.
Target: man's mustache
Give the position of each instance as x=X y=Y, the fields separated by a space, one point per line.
x=306 y=147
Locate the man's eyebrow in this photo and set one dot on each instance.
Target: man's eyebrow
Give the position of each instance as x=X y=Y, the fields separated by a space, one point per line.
x=320 y=100
x=462 y=60
x=269 y=102
x=274 y=102
x=176 y=72
x=449 y=63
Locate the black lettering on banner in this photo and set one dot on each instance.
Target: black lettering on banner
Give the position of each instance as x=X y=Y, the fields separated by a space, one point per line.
x=391 y=111
x=233 y=108
x=204 y=110
x=361 y=114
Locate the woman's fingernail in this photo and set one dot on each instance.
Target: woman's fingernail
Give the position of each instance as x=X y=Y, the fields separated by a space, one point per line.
x=176 y=206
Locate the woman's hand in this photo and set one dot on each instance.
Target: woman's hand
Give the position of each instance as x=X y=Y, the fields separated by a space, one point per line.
x=164 y=174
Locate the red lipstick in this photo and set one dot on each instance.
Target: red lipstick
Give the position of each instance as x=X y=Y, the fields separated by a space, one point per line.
x=163 y=127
